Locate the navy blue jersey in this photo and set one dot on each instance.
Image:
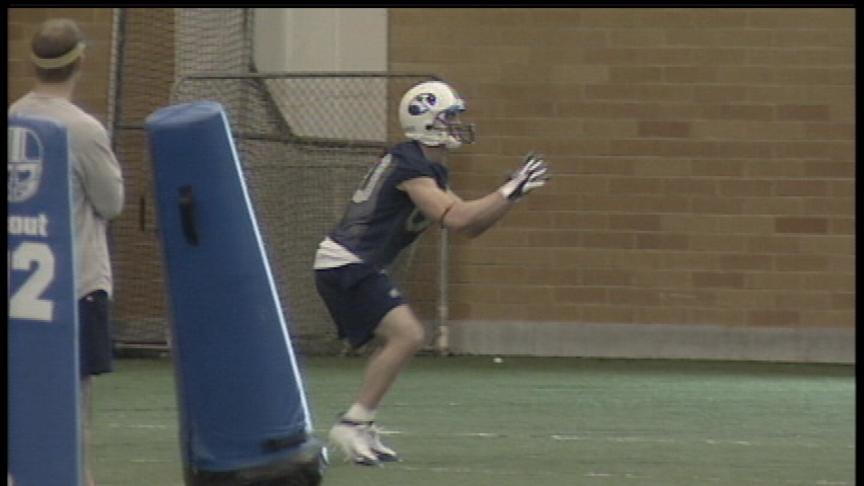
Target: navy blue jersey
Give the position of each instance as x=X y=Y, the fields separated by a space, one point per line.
x=380 y=219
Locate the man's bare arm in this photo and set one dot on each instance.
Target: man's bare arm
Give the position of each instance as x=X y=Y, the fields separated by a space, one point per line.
x=471 y=218
x=474 y=217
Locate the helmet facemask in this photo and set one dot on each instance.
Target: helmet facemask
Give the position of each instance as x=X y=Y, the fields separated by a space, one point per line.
x=453 y=132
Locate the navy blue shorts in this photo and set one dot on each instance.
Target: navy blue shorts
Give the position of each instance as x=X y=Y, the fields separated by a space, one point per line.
x=94 y=334
x=358 y=297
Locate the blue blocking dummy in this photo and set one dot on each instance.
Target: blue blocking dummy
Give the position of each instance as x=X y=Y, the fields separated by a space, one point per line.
x=244 y=418
x=43 y=364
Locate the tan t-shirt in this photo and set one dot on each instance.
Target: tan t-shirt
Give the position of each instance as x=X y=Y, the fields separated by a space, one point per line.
x=97 y=186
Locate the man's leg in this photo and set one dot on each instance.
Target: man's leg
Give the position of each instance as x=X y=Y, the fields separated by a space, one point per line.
x=86 y=399
x=402 y=335
x=96 y=358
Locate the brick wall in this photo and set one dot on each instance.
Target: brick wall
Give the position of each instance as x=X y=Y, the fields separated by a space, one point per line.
x=96 y=23
x=703 y=161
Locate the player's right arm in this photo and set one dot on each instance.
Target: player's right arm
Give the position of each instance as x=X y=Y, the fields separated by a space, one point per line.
x=472 y=218
x=100 y=172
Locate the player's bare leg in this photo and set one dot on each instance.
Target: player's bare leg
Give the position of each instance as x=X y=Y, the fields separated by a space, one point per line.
x=402 y=335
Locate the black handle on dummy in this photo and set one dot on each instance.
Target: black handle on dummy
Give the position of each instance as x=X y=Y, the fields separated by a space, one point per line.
x=187 y=215
x=285 y=442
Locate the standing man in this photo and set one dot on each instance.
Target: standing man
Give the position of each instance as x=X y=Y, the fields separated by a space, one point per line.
x=57 y=50
x=399 y=197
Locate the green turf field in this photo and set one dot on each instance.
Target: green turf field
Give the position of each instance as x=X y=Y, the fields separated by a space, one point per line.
x=538 y=422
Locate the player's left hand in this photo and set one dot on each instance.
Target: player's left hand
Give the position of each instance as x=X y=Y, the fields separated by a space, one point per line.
x=530 y=176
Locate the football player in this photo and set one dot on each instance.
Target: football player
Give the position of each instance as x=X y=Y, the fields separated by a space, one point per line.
x=404 y=192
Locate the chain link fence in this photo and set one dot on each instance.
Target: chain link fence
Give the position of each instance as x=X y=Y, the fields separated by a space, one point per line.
x=304 y=141
x=145 y=72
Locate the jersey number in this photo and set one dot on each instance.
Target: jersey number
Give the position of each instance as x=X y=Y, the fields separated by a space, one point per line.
x=416 y=222
x=26 y=302
x=371 y=181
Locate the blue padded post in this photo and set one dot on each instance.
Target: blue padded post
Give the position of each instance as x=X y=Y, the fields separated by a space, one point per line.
x=44 y=377
x=241 y=397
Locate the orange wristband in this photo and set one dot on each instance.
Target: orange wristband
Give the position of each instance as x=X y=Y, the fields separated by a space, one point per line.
x=444 y=214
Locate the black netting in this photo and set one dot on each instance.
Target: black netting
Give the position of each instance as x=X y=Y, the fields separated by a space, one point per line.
x=304 y=140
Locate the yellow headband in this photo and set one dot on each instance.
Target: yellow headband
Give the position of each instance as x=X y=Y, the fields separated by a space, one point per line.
x=58 y=62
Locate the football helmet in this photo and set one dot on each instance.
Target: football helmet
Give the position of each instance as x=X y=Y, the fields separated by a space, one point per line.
x=429 y=113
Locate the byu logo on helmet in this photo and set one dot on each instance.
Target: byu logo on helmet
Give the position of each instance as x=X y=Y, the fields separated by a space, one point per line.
x=25 y=163
x=422 y=103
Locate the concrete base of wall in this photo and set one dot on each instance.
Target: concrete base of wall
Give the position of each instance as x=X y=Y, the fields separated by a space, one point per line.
x=799 y=345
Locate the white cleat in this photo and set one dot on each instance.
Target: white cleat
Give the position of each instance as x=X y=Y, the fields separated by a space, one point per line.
x=352 y=439
x=384 y=453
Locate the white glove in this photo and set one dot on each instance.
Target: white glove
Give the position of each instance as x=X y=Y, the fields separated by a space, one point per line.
x=530 y=176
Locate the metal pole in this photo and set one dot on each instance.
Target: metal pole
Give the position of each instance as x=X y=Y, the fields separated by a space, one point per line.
x=443 y=342
x=118 y=59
